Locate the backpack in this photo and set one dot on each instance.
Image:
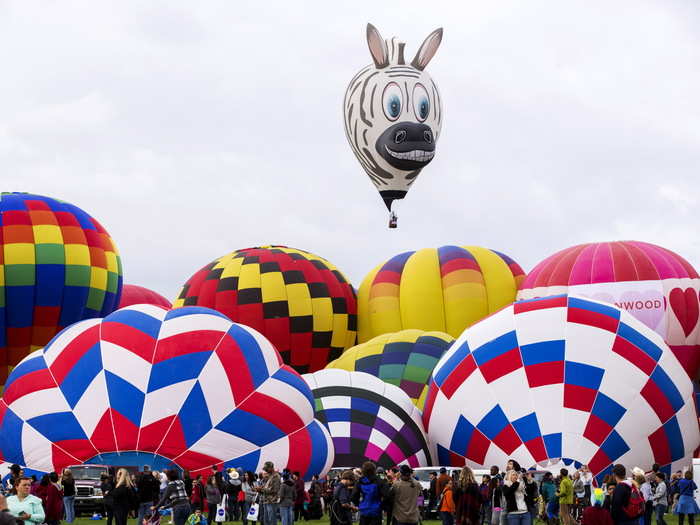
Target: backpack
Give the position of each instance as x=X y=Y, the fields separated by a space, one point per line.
x=635 y=506
x=371 y=503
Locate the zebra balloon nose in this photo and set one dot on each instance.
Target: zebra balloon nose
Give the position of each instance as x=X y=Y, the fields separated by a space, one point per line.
x=406 y=146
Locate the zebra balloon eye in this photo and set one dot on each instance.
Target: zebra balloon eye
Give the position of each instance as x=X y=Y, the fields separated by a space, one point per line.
x=421 y=102
x=392 y=101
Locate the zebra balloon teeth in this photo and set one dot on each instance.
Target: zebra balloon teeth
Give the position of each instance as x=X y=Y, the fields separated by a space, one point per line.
x=393 y=115
x=417 y=155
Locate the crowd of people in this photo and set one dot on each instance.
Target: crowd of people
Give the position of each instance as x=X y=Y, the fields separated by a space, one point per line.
x=517 y=497
x=513 y=496
x=368 y=495
x=224 y=496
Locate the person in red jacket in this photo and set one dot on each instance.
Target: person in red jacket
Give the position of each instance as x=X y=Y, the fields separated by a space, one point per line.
x=51 y=498
x=596 y=514
x=197 y=498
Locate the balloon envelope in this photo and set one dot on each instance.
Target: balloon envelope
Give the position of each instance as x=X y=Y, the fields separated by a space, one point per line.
x=393 y=114
x=441 y=289
x=562 y=378
x=299 y=301
x=369 y=419
x=58 y=265
x=404 y=359
x=182 y=388
x=133 y=294
x=655 y=285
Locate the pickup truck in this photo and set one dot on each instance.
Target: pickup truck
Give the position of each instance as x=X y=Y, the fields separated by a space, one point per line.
x=88 y=494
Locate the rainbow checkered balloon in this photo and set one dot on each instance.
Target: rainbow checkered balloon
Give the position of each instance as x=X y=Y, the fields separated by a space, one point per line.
x=58 y=265
x=562 y=379
x=404 y=359
x=146 y=385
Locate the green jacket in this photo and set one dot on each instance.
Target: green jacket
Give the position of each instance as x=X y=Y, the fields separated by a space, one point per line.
x=566 y=492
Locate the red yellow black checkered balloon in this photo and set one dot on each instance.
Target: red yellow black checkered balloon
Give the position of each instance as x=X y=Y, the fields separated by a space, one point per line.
x=301 y=302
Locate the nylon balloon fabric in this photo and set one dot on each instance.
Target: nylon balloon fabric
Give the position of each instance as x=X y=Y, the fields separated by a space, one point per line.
x=299 y=301
x=442 y=289
x=369 y=419
x=657 y=286
x=562 y=378
x=393 y=114
x=133 y=294
x=145 y=385
x=58 y=265
x=404 y=359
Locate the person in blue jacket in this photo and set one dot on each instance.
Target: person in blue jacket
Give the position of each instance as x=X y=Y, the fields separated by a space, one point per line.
x=686 y=506
x=370 y=493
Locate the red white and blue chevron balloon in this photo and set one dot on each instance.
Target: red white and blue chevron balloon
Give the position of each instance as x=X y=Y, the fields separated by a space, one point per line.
x=145 y=385
x=561 y=379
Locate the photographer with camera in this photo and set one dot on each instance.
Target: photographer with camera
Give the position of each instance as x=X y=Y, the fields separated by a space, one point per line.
x=514 y=493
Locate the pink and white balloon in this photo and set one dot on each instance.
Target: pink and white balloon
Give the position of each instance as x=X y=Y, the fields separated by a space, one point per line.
x=655 y=285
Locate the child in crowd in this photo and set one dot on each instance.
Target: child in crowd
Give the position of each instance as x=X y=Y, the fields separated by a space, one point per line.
x=196 y=518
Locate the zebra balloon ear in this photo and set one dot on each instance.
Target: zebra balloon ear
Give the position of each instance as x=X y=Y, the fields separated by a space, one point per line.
x=427 y=49
x=377 y=47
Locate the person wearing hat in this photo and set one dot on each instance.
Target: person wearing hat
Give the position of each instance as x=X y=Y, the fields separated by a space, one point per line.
x=405 y=492
x=233 y=489
x=270 y=491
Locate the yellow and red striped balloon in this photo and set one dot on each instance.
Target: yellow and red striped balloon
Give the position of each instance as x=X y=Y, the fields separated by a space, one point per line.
x=445 y=289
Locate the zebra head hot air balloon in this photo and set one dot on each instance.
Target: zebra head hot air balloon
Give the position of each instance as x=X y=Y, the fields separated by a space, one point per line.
x=393 y=114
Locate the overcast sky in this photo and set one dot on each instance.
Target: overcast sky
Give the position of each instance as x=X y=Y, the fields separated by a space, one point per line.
x=190 y=129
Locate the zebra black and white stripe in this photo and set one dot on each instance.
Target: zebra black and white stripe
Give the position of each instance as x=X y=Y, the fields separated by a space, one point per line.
x=391 y=96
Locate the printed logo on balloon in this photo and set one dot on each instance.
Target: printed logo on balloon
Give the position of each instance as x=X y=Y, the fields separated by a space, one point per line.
x=654 y=284
x=643 y=299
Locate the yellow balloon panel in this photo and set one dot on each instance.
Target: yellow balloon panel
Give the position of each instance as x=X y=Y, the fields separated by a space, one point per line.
x=445 y=289
x=420 y=292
